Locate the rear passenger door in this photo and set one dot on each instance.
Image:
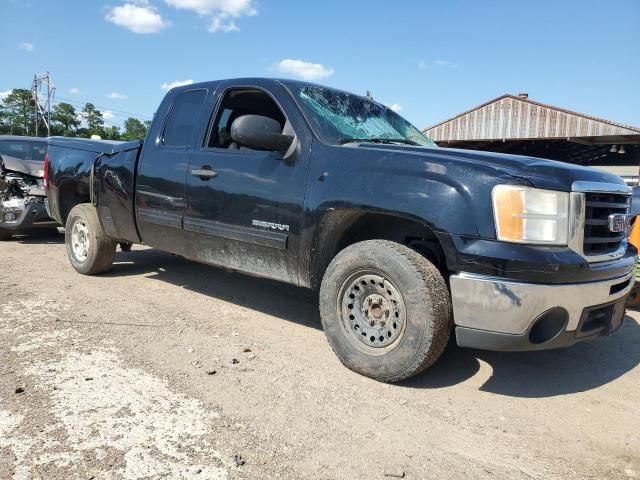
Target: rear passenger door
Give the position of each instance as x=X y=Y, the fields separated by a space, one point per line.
x=162 y=171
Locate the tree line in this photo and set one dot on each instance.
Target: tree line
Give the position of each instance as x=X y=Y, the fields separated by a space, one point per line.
x=17 y=117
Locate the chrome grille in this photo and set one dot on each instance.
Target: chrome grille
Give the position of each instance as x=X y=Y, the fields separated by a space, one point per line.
x=598 y=239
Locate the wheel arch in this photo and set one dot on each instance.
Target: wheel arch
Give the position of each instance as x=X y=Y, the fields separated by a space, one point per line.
x=339 y=228
x=71 y=193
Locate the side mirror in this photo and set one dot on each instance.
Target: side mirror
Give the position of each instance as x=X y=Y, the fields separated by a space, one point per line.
x=264 y=133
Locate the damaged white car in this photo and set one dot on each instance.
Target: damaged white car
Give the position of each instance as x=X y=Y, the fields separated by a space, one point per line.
x=22 y=195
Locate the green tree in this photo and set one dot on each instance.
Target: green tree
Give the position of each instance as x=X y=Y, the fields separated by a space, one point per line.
x=18 y=112
x=112 y=133
x=4 y=122
x=65 y=115
x=93 y=117
x=134 y=129
x=82 y=132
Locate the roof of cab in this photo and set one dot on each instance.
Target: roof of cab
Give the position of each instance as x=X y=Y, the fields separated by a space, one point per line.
x=257 y=81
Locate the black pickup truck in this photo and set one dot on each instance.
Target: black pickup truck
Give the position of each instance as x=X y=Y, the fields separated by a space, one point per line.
x=406 y=242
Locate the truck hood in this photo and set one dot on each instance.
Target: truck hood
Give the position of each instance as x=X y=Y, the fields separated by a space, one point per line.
x=540 y=172
x=33 y=168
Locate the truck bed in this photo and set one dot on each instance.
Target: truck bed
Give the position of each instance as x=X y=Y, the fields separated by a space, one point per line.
x=78 y=165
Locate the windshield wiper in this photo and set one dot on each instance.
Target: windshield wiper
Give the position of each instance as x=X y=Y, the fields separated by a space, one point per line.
x=405 y=141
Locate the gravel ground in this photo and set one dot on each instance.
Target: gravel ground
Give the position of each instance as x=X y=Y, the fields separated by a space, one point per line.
x=164 y=368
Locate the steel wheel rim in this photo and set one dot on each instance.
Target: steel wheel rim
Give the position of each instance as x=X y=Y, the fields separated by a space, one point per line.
x=372 y=311
x=80 y=240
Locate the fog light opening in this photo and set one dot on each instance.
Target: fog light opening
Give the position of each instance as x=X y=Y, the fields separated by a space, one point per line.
x=549 y=325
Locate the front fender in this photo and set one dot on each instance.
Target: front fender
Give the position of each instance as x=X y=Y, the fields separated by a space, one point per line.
x=445 y=196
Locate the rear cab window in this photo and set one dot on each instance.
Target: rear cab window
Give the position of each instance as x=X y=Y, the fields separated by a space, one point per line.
x=183 y=119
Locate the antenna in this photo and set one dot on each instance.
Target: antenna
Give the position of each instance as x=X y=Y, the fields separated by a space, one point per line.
x=43 y=92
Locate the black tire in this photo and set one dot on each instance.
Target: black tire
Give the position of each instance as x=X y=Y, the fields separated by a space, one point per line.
x=4 y=235
x=424 y=296
x=100 y=249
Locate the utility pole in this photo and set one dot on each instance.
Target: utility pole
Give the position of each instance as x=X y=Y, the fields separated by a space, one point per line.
x=43 y=92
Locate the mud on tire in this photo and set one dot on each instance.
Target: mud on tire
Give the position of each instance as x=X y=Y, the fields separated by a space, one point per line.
x=385 y=309
x=89 y=250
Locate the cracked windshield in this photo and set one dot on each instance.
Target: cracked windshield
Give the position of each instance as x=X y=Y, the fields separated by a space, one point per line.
x=341 y=118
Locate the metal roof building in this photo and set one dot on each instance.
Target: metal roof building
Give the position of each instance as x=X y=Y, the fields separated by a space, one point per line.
x=516 y=124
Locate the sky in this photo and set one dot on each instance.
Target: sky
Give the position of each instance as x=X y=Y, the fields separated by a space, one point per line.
x=428 y=60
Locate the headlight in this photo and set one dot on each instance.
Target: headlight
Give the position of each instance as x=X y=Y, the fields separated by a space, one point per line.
x=531 y=215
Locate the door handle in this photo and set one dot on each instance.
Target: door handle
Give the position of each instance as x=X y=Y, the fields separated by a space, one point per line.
x=204 y=173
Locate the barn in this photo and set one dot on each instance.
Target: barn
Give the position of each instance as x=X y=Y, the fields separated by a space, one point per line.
x=518 y=125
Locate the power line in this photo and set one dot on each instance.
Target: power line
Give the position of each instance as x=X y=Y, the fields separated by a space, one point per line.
x=113 y=110
x=56 y=102
x=108 y=123
x=103 y=107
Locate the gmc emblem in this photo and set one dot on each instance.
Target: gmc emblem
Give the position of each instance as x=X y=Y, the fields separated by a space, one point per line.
x=619 y=222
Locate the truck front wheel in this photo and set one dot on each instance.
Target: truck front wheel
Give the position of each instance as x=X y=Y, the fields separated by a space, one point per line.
x=5 y=234
x=88 y=248
x=385 y=309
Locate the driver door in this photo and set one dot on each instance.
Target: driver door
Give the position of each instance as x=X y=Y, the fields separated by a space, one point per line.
x=244 y=206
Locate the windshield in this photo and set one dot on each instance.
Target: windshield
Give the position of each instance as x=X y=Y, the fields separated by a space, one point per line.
x=340 y=118
x=23 y=149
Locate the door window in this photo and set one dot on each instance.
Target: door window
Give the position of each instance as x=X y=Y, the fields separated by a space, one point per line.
x=236 y=103
x=183 y=119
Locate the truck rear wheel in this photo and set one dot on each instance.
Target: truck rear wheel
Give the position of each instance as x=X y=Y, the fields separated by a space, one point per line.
x=385 y=309
x=88 y=248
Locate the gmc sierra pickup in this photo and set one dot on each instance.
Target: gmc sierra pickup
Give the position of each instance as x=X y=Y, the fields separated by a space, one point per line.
x=406 y=242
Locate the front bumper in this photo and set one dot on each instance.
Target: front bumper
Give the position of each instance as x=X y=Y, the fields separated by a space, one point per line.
x=498 y=314
x=34 y=215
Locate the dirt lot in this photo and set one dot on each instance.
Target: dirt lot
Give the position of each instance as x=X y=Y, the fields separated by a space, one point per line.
x=169 y=369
